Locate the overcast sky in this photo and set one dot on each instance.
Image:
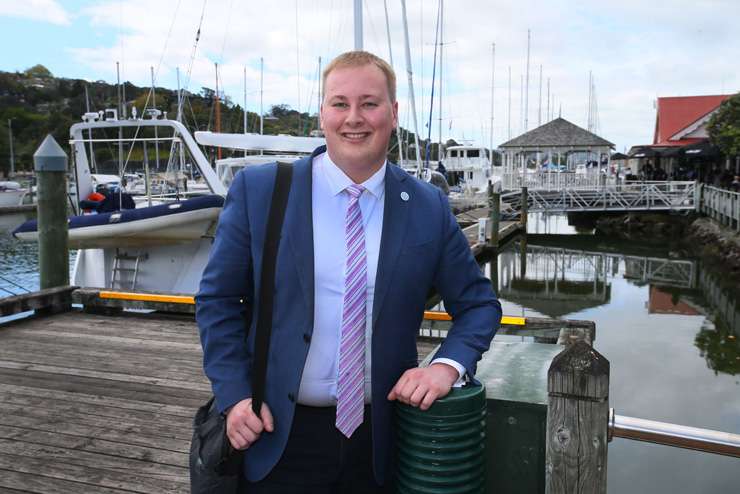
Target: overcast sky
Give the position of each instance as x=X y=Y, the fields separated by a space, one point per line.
x=637 y=50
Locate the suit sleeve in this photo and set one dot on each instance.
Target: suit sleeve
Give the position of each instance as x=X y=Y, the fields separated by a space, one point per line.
x=224 y=302
x=468 y=297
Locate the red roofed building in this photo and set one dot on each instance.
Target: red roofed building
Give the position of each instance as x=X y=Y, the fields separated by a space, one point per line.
x=682 y=120
x=681 y=147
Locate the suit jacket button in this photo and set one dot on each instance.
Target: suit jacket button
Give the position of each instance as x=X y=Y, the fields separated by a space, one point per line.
x=307 y=337
x=291 y=396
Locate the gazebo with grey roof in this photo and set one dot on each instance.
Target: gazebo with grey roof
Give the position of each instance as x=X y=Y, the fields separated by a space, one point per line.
x=553 y=145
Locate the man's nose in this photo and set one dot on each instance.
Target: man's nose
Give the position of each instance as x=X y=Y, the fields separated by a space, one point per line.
x=354 y=116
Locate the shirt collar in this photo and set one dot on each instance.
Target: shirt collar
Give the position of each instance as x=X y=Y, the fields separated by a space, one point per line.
x=338 y=180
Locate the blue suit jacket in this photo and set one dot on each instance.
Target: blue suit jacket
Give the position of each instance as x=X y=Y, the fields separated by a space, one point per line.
x=421 y=248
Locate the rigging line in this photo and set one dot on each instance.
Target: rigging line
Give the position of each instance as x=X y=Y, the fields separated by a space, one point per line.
x=298 y=65
x=431 y=97
x=226 y=32
x=14 y=284
x=154 y=79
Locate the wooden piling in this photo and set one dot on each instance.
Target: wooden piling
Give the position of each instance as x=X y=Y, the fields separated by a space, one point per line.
x=494 y=204
x=50 y=164
x=578 y=411
x=525 y=208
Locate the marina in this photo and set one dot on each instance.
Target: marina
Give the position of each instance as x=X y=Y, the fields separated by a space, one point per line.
x=617 y=364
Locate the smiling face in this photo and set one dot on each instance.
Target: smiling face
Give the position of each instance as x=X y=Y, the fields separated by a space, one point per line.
x=357 y=117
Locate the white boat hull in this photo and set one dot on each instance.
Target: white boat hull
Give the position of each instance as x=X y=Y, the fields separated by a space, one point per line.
x=163 y=230
x=10 y=198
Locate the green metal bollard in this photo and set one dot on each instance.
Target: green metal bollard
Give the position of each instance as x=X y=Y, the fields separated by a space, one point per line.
x=50 y=164
x=442 y=450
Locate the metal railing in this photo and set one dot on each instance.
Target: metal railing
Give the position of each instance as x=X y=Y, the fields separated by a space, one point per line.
x=637 y=196
x=721 y=205
x=553 y=180
x=679 y=436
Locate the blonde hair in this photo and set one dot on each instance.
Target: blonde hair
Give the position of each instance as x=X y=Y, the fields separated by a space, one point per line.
x=360 y=58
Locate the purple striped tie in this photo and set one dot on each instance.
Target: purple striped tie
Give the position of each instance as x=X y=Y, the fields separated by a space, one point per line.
x=351 y=380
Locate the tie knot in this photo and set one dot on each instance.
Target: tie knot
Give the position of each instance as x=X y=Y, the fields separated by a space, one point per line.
x=355 y=190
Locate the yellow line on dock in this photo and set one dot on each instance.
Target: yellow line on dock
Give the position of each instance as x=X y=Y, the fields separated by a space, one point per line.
x=189 y=300
x=443 y=316
x=148 y=297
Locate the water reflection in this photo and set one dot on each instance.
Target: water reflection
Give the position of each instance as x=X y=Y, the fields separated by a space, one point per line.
x=565 y=280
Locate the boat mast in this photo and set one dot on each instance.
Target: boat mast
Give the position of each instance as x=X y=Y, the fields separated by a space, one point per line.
x=390 y=55
x=410 y=74
x=526 y=97
x=156 y=132
x=493 y=69
x=509 y=102
x=539 y=111
x=120 y=129
x=93 y=166
x=441 y=47
x=218 y=113
x=262 y=74
x=245 y=104
x=358 y=24
x=10 y=139
x=318 y=108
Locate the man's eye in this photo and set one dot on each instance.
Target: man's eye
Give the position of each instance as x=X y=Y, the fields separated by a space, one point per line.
x=339 y=104
x=370 y=104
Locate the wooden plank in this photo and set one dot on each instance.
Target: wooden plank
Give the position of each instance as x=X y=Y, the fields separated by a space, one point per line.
x=153 y=367
x=95 y=445
x=39 y=484
x=117 y=350
x=107 y=376
x=68 y=415
x=71 y=456
x=103 y=401
x=131 y=436
x=96 y=411
x=99 y=477
x=113 y=340
x=116 y=389
x=42 y=299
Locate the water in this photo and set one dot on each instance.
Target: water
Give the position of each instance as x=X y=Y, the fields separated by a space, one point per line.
x=19 y=272
x=669 y=328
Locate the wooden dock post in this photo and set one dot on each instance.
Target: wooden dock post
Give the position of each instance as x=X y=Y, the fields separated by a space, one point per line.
x=577 y=420
x=50 y=164
x=525 y=208
x=494 y=208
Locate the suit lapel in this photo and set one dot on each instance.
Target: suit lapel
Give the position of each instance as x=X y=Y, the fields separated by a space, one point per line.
x=395 y=215
x=299 y=227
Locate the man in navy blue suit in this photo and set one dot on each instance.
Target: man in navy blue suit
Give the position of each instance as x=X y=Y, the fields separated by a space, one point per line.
x=362 y=245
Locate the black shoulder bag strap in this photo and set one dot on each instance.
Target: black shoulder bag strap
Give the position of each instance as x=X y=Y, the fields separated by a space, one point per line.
x=267 y=283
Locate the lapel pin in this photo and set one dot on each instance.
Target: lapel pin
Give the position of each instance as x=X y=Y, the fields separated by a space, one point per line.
x=404 y=196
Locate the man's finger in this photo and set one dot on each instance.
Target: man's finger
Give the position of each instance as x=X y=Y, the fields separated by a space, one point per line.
x=267 y=421
x=418 y=395
x=253 y=422
x=429 y=399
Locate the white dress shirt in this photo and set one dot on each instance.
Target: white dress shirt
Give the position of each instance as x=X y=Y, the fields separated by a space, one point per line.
x=329 y=205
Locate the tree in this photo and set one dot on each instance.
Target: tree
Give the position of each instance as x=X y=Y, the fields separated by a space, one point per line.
x=38 y=71
x=724 y=127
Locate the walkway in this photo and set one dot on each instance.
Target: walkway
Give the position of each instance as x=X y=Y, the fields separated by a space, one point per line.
x=637 y=196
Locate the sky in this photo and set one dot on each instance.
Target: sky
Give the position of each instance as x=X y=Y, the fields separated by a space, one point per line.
x=636 y=51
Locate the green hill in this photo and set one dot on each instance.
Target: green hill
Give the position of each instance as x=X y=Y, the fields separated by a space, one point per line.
x=37 y=103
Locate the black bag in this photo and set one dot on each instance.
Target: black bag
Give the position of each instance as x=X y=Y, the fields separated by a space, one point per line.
x=215 y=467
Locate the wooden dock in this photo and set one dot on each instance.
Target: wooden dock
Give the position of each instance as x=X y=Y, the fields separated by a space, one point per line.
x=469 y=223
x=24 y=208
x=102 y=404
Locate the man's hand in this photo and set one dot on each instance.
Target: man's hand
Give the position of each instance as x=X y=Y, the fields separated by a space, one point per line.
x=243 y=426
x=419 y=387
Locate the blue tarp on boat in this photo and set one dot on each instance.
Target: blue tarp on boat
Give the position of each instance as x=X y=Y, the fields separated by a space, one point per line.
x=129 y=215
